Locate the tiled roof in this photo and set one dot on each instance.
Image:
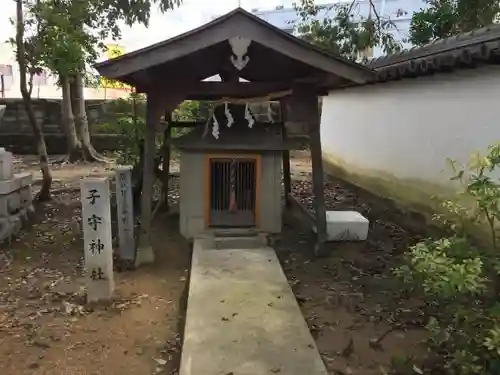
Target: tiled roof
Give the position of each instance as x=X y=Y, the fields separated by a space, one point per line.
x=468 y=50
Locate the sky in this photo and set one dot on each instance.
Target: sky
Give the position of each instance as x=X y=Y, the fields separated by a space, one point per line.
x=191 y=14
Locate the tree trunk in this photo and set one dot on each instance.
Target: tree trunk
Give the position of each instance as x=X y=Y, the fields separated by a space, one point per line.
x=74 y=146
x=44 y=193
x=82 y=124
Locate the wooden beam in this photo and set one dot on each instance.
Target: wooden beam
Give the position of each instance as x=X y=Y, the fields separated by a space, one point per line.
x=237 y=23
x=166 y=160
x=206 y=90
x=185 y=124
x=287 y=175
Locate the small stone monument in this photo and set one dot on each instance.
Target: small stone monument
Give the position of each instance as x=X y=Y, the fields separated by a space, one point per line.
x=346 y=226
x=125 y=214
x=15 y=197
x=97 y=239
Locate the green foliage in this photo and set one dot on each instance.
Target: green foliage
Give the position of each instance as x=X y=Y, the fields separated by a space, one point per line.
x=129 y=120
x=345 y=32
x=66 y=36
x=445 y=18
x=459 y=281
x=191 y=110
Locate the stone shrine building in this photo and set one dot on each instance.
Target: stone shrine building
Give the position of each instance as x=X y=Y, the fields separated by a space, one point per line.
x=232 y=164
x=236 y=162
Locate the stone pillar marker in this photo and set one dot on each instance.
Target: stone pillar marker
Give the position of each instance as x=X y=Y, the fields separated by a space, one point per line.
x=125 y=214
x=97 y=238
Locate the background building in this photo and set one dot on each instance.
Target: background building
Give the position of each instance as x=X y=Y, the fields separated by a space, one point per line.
x=399 y=11
x=45 y=85
x=191 y=14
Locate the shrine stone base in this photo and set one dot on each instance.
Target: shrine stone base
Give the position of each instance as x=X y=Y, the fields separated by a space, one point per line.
x=15 y=198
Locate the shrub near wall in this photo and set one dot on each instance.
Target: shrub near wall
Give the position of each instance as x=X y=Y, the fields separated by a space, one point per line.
x=459 y=277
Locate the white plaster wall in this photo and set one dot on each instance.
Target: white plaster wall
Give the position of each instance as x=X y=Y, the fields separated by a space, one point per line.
x=408 y=128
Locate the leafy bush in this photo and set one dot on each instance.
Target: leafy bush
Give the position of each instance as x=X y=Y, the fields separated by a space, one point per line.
x=132 y=126
x=460 y=281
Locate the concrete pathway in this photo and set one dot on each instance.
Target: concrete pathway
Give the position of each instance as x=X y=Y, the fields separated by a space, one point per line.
x=242 y=317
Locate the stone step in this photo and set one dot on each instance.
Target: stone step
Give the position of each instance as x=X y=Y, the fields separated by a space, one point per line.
x=243 y=318
x=239 y=242
x=234 y=232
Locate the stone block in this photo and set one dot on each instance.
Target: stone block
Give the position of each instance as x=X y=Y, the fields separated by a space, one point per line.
x=17 y=224
x=4 y=206
x=124 y=210
x=26 y=196
x=97 y=239
x=8 y=186
x=14 y=202
x=346 y=226
x=6 y=165
x=6 y=228
x=25 y=179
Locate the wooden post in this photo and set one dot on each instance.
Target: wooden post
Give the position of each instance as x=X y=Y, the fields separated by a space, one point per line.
x=153 y=113
x=157 y=104
x=318 y=188
x=317 y=176
x=167 y=134
x=287 y=177
x=302 y=118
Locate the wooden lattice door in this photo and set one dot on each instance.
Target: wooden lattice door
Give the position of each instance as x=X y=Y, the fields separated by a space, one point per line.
x=233 y=191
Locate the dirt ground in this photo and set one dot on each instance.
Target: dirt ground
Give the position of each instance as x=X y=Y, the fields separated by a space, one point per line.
x=46 y=327
x=364 y=323
x=359 y=317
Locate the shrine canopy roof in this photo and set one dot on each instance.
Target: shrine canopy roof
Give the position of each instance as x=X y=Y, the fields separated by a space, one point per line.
x=275 y=61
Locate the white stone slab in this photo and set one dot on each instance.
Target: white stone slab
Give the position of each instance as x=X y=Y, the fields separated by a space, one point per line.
x=125 y=214
x=6 y=165
x=8 y=186
x=25 y=179
x=97 y=239
x=242 y=317
x=346 y=226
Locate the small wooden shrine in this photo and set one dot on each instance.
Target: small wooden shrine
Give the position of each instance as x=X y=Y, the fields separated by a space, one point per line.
x=231 y=165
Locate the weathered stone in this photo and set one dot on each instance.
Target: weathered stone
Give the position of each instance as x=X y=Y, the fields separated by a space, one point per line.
x=346 y=226
x=244 y=293
x=96 y=221
x=5 y=165
x=26 y=196
x=25 y=179
x=14 y=202
x=8 y=186
x=125 y=215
